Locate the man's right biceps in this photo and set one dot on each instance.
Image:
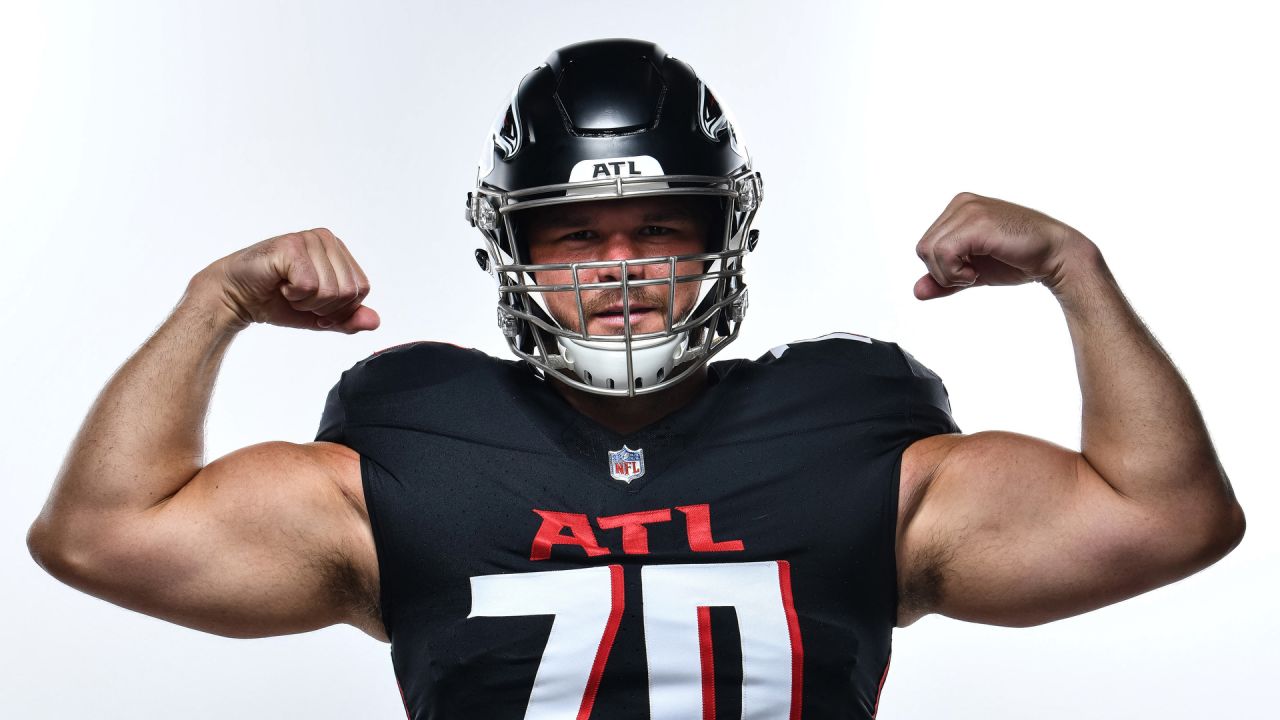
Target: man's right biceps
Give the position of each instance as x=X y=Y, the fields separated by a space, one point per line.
x=199 y=573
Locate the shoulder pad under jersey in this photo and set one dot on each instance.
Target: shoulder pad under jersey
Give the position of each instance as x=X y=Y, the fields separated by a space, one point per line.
x=409 y=368
x=857 y=353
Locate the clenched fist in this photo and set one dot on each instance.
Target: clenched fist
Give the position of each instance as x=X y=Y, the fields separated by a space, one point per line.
x=984 y=241
x=305 y=279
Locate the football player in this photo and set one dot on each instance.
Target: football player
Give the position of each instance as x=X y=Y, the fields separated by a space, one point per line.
x=611 y=525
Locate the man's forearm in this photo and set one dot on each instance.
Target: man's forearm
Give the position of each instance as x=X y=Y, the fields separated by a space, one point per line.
x=1141 y=428
x=143 y=437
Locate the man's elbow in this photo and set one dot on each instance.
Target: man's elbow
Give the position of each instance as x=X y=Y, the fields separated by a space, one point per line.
x=1186 y=532
x=47 y=550
x=1230 y=531
x=1217 y=529
x=60 y=550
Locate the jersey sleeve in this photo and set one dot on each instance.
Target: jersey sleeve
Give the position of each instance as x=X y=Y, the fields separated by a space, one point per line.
x=333 y=420
x=860 y=379
x=419 y=385
x=384 y=372
x=929 y=407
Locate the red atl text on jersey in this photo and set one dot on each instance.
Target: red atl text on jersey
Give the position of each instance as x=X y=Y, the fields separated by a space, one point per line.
x=564 y=528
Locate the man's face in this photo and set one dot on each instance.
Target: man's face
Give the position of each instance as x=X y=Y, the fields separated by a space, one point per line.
x=624 y=229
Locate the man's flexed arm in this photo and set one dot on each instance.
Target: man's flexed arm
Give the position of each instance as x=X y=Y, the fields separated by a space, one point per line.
x=137 y=518
x=1007 y=529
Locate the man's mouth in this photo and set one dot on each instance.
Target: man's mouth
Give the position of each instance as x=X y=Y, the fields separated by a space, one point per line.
x=613 y=316
x=606 y=313
x=637 y=310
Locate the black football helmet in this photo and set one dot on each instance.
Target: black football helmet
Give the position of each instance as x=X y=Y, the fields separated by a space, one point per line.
x=603 y=120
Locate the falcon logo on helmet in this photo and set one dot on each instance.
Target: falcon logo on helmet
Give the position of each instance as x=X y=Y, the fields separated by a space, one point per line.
x=604 y=120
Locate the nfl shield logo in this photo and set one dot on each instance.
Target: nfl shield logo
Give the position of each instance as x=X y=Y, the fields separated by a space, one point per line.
x=626 y=464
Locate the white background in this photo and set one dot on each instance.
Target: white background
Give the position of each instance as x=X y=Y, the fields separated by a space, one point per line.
x=140 y=141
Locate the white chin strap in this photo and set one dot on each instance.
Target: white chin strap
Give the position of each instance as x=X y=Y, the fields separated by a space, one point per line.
x=603 y=364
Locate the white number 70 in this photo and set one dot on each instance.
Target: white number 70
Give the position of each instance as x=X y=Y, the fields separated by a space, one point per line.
x=587 y=604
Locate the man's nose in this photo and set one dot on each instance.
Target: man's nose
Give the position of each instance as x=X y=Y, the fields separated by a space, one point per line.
x=620 y=247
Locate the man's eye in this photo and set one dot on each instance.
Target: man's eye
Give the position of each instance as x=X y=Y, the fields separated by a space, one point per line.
x=656 y=230
x=579 y=235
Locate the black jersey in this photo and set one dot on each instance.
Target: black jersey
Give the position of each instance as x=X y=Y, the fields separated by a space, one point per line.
x=735 y=559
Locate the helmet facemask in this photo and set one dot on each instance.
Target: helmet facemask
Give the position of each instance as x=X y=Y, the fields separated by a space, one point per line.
x=622 y=362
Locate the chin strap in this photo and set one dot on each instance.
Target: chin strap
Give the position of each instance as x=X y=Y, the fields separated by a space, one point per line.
x=603 y=364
